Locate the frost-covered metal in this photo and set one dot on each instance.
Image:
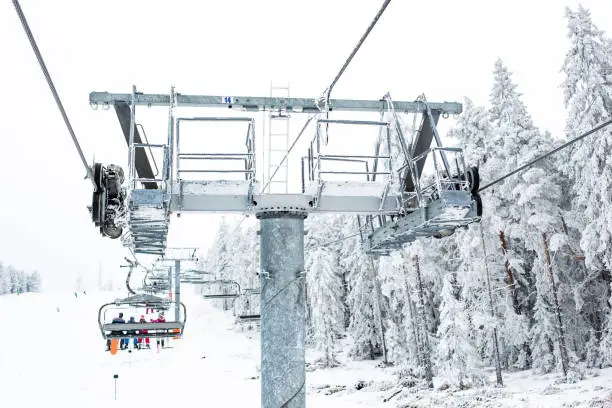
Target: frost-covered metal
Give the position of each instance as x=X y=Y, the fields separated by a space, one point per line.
x=174 y=257
x=283 y=310
x=387 y=187
x=220 y=289
x=248 y=306
x=278 y=129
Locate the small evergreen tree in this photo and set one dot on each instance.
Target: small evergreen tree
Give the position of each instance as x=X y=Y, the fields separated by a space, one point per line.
x=456 y=356
x=324 y=293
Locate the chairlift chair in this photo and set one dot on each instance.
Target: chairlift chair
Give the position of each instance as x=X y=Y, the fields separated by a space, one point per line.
x=195 y=277
x=134 y=330
x=250 y=313
x=193 y=280
x=225 y=289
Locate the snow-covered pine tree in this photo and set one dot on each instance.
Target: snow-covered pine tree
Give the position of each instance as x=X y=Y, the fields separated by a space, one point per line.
x=457 y=360
x=537 y=199
x=400 y=334
x=588 y=98
x=476 y=270
x=5 y=285
x=542 y=333
x=34 y=282
x=222 y=254
x=473 y=133
x=481 y=305
x=363 y=328
x=324 y=284
x=17 y=280
x=515 y=140
x=324 y=294
x=243 y=266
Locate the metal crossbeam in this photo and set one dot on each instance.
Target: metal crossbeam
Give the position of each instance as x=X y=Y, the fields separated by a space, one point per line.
x=257 y=103
x=142 y=326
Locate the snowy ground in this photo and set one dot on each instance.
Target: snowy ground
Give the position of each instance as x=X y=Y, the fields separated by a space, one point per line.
x=51 y=358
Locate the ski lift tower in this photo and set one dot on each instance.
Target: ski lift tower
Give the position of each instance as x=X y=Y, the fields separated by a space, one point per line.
x=176 y=256
x=391 y=190
x=390 y=187
x=386 y=185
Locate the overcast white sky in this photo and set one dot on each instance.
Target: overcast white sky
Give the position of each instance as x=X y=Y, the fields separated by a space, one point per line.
x=443 y=48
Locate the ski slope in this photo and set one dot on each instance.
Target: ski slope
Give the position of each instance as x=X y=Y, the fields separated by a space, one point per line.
x=51 y=358
x=48 y=358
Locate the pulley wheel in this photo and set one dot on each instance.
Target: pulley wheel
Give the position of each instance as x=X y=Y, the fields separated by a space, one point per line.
x=473 y=177
x=96 y=205
x=111 y=230
x=478 y=204
x=98 y=175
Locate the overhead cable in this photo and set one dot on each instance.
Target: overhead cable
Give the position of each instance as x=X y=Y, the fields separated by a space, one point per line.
x=26 y=28
x=534 y=161
x=359 y=44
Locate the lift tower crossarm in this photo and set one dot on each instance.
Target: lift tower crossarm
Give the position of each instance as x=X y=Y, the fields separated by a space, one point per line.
x=263 y=103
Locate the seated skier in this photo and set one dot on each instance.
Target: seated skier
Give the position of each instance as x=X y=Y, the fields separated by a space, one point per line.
x=116 y=320
x=131 y=332
x=146 y=340
x=161 y=319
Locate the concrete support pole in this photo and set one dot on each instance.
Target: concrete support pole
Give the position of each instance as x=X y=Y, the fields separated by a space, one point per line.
x=283 y=309
x=177 y=290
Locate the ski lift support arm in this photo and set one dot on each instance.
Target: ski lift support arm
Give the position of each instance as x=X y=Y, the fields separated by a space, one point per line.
x=263 y=103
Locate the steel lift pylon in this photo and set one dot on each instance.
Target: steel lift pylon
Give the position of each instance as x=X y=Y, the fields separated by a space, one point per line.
x=393 y=192
x=389 y=193
x=174 y=257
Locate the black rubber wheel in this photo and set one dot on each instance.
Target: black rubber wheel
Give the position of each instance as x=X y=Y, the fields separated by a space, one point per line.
x=96 y=215
x=473 y=177
x=478 y=204
x=98 y=175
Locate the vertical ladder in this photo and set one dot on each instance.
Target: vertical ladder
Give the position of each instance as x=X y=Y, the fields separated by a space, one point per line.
x=278 y=143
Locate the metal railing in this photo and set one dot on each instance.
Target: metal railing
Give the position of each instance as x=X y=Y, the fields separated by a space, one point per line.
x=248 y=158
x=133 y=179
x=316 y=158
x=442 y=181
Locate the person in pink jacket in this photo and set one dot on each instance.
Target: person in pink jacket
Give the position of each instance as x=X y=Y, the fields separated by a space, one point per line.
x=146 y=340
x=160 y=319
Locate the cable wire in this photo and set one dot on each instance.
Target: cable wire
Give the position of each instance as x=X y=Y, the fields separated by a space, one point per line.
x=357 y=47
x=534 y=161
x=331 y=87
x=26 y=28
